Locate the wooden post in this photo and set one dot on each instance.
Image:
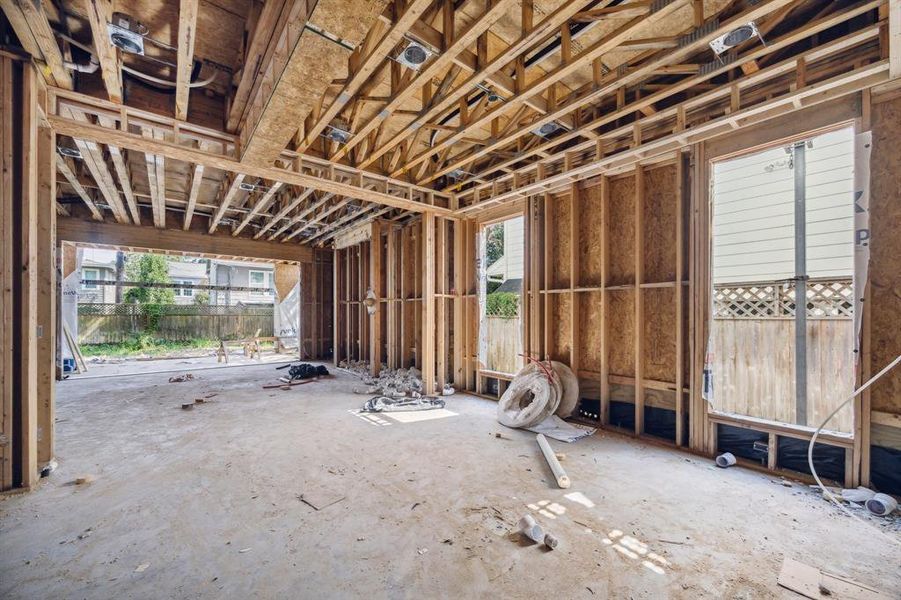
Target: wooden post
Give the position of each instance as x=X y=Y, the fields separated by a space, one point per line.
x=680 y=395
x=459 y=300
x=574 y=297
x=336 y=307
x=391 y=305
x=427 y=341
x=47 y=294
x=605 y=295
x=441 y=302
x=639 y=300
x=375 y=284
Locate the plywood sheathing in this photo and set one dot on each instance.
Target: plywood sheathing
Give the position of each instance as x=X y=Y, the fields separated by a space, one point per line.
x=885 y=248
x=621 y=233
x=591 y=252
x=659 y=224
x=313 y=64
x=659 y=334
x=621 y=332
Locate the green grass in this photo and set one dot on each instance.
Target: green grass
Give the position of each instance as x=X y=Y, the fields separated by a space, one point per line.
x=144 y=345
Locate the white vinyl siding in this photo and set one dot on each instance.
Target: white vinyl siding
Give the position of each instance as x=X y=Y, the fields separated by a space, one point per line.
x=753 y=212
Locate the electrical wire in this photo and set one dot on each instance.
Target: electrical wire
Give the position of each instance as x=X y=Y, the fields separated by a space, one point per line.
x=813 y=439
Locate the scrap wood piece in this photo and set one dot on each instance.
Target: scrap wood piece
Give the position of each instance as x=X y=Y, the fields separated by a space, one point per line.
x=320 y=497
x=813 y=583
x=286 y=385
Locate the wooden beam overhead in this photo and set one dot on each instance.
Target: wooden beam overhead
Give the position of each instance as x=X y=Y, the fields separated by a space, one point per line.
x=585 y=58
x=266 y=35
x=260 y=205
x=310 y=67
x=99 y=14
x=187 y=30
x=283 y=212
x=29 y=21
x=85 y=131
x=433 y=69
x=491 y=72
x=366 y=68
x=226 y=201
x=92 y=156
x=70 y=176
x=683 y=85
x=194 y=189
x=613 y=81
x=176 y=240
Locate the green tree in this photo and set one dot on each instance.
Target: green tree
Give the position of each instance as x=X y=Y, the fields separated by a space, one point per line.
x=148 y=268
x=494 y=243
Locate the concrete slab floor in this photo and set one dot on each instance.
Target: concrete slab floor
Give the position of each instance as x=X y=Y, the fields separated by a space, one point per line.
x=205 y=503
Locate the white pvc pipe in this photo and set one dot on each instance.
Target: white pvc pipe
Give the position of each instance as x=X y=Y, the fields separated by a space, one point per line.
x=882 y=505
x=726 y=459
x=553 y=463
x=531 y=529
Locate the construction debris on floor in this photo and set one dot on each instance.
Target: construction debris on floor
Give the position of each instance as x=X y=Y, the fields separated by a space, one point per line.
x=388 y=404
x=541 y=395
x=304 y=371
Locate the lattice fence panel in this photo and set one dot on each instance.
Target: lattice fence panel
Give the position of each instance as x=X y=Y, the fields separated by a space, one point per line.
x=826 y=298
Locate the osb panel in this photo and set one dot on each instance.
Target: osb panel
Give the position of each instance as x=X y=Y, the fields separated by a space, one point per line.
x=660 y=219
x=589 y=348
x=621 y=231
x=659 y=334
x=561 y=207
x=591 y=254
x=885 y=247
x=561 y=327
x=621 y=332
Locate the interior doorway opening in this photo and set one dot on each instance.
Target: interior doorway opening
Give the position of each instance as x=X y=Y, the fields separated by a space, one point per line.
x=782 y=330
x=502 y=253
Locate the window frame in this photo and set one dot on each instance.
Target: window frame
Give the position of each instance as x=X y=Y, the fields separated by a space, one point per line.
x=264 y=286
x=90 y=286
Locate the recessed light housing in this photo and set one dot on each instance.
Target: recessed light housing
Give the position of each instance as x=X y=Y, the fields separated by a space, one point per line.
x=735 y=37
x=414 y=55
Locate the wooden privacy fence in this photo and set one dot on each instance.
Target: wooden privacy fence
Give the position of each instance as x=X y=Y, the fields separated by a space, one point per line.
x=753 y=343
x=504 y=335
x=114 y=323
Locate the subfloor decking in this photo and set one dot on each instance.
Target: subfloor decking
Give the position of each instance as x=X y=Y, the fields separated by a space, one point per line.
x=206 y=504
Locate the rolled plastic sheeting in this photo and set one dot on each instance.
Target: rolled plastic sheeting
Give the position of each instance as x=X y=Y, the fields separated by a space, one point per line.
x=569 y=383
x=570 y=398
x=553 y=463
x=529 y=399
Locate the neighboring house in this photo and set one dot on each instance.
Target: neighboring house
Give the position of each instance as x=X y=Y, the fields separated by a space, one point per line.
x=91 y=292
x=510 y=265
x=241 y=274
x=187 y=272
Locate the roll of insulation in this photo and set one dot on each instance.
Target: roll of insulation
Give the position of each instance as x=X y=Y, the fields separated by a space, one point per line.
x=530 y=399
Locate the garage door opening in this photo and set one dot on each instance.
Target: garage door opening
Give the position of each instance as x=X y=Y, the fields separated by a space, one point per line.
x=126 y=312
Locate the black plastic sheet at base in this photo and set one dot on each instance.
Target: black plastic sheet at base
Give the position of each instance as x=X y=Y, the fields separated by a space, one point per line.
x=660 y=422
x=740 y=442
x=828 y=460
x=885 y=470
x=622 y=414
